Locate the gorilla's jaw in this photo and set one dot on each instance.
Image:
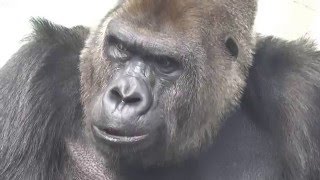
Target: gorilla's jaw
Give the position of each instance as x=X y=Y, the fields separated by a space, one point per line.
x=130 y=151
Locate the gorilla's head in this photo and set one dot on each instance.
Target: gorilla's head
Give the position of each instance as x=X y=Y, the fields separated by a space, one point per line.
x=159 y=76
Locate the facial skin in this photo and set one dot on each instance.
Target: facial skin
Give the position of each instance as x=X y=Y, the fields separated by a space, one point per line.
x=128 y=111
x=154 y=81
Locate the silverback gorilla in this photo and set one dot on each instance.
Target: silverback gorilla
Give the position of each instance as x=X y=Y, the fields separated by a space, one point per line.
x=161 y=90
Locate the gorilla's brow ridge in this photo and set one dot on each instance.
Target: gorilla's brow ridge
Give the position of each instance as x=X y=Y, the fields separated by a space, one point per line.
x=148 y=42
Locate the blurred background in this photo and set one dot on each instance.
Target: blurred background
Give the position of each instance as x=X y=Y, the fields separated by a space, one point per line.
x=289 y=19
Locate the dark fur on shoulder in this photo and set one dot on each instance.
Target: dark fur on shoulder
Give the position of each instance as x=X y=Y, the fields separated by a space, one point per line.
x=284 y=84
x=39 y=102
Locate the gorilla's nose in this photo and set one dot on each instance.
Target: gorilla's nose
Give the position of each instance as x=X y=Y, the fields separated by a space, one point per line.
x=128 y=97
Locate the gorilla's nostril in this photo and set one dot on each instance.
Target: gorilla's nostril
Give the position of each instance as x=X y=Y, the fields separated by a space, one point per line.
x=115 y=93
x=131 y=100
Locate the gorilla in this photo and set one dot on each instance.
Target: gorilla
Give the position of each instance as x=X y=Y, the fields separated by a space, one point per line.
x=161 y=90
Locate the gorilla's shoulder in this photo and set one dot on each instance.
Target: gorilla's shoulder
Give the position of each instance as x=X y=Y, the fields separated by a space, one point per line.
x=286 y=66
x=285 y=78
x=49 y=44
x=46 y=31
x=283 y=91
x=280 y=57
x=48 y=63
x=40 y=90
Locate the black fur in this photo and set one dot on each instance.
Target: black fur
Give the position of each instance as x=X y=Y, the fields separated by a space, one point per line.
x=284 y=92
x=39 y=102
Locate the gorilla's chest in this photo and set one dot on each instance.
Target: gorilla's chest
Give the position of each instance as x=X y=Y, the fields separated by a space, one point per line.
x=242 y=151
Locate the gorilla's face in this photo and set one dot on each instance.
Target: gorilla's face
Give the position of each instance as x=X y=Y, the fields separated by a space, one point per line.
x=157 y=83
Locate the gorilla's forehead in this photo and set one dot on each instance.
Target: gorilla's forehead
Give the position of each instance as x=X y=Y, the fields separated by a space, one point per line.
x=159 y=13
x=188 y=16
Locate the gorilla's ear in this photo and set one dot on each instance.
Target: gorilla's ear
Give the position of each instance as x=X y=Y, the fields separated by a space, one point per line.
x=232 y=46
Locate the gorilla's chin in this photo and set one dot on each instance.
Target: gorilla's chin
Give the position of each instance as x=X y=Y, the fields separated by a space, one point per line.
x=133 y=152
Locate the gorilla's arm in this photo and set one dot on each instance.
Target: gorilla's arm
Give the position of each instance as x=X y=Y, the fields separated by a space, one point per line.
x=284 y=93
x=40 y=103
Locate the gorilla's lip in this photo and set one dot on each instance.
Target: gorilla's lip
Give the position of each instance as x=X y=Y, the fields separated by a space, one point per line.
x=115 y=139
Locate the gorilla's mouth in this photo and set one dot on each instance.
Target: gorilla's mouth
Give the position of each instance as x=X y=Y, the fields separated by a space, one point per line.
x=117 y=139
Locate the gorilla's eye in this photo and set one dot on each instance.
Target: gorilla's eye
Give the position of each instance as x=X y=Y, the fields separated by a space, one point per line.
x=232 y=46
x=121 y=48
x=119 y=51
x=116 y=49
x=166 y=65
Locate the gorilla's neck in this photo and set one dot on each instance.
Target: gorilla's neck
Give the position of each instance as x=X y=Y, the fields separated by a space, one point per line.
x=85 y=163
x=185 y=170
